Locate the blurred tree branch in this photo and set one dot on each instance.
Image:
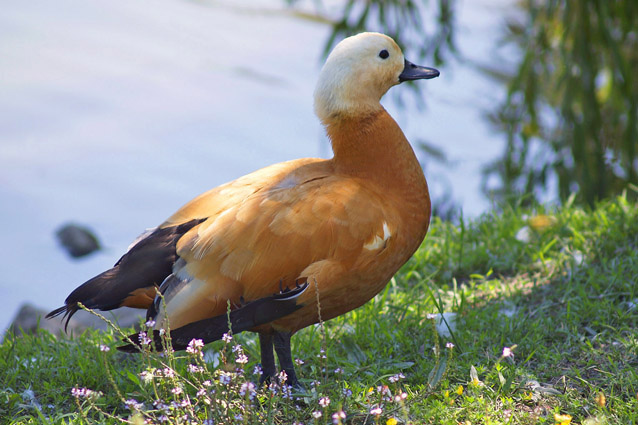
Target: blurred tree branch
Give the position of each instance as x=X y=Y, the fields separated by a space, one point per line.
x=406 y=21
x=571 y=114
x=403 y=20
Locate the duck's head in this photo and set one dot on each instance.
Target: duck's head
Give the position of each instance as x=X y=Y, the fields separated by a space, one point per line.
x=358 y=72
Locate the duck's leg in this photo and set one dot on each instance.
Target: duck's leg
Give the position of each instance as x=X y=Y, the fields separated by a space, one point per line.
x=282 y=347
x=267 y=358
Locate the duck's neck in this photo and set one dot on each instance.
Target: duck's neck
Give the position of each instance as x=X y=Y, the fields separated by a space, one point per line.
x=373 y=147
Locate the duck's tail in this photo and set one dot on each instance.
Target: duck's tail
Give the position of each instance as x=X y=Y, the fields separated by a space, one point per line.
x=132 y=282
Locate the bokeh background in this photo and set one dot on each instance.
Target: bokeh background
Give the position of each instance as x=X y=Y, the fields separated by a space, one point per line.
x=115 y=113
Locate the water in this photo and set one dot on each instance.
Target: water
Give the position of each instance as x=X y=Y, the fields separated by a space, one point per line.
x=114 y=114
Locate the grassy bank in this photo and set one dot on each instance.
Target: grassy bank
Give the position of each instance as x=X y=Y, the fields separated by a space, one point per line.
x=557 y=288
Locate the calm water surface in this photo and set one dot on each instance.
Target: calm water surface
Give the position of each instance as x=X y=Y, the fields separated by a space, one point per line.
x=113 y=114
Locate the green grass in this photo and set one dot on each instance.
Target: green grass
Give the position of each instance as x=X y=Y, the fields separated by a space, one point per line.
x=561 y=285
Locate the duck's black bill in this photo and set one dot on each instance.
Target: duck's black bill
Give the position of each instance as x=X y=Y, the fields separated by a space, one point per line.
x=416 y=72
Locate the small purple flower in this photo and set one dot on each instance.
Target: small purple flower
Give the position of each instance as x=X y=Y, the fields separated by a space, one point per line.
x=133 y=404
x=82 y=392
x=167 y=372
x=324 y=401
x=257 y=370
x=144 y=339
x=299 y=362
x=283 y=376
x=449 y=345
x=286 y=391
x=227 y=338
x=347 y=392
x=160 y=405
x=195 y=369
x=396 y=378
x=177 y=390
x=248 y=388
x=104 y=348
x=150 y=323
x=273 y=388
x=316 y=414
x=195 y=346
x=241 y=359
x=225 y=378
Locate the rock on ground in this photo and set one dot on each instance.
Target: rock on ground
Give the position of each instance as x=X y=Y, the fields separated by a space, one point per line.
x=77 y=240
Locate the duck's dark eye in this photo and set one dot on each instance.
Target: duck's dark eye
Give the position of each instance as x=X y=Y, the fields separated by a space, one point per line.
x=383 y=54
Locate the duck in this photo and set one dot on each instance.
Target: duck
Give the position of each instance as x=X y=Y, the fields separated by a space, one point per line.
x=292 y=244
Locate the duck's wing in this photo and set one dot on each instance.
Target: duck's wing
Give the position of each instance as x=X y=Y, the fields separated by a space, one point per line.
x=150 y=260
x=262 y=244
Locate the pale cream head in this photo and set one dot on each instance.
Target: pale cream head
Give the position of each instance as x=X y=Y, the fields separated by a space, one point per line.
x=357 y=73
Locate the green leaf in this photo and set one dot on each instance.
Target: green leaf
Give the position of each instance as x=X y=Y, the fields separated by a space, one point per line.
x=437 y=373
x=133 y=377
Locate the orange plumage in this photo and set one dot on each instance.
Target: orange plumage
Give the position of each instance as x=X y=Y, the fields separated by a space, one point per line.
x=341 y=227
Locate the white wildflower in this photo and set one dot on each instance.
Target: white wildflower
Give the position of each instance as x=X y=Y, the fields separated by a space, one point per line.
x=337 y=416
x=376 y=411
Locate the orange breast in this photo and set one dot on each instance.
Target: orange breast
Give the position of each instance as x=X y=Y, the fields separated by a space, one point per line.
x=344 y=225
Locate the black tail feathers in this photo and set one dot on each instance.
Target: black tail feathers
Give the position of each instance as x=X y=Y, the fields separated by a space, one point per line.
x=68 y=310
x=149 y=261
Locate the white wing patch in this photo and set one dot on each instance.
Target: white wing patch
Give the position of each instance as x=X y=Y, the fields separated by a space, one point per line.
x=379 y=242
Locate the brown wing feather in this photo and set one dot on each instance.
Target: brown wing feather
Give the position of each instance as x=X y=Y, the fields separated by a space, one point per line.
x=272 y=235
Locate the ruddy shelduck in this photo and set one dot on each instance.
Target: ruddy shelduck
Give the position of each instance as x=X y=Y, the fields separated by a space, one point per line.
x=293 y=243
